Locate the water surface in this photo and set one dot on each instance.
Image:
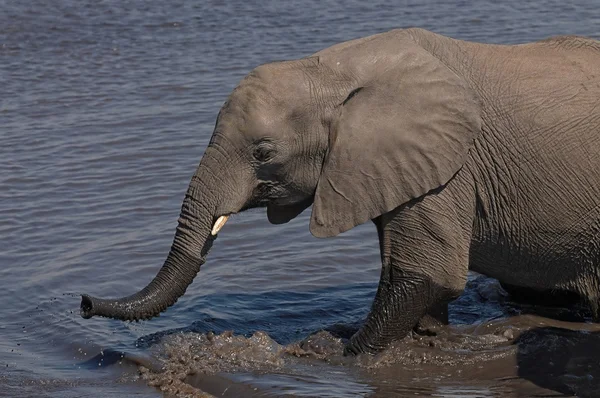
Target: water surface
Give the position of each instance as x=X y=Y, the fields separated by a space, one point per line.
x=106 y=109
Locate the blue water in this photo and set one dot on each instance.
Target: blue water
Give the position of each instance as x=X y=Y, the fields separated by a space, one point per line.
x=106 y=109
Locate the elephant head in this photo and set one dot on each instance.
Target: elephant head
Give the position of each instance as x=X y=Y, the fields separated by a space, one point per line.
x=357 y=130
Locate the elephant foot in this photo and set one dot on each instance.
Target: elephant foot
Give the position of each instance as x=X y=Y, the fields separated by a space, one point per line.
x=432 y=323
x=427 y=329
x=357 y=346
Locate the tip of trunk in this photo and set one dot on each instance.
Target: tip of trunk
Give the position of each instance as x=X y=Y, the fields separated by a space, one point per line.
x=118 y=309
x=86 y=308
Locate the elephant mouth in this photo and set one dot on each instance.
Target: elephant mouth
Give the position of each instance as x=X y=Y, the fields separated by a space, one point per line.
x=281 y=214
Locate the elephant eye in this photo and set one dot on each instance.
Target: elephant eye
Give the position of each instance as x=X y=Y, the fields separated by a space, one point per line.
x=263 y=152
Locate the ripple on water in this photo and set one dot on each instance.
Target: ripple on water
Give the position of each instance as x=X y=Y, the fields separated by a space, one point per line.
x=106 y=110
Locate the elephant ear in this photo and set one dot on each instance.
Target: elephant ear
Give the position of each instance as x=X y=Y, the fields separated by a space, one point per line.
x=399 y=136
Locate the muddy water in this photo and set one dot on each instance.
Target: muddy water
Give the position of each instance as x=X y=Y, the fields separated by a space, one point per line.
x=514 y=353
x=105 y=110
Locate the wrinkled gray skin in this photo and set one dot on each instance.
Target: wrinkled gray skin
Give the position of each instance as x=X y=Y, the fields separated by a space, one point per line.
x=464 y=155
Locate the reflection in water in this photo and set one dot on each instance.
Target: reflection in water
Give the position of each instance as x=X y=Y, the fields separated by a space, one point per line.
x=562 y=360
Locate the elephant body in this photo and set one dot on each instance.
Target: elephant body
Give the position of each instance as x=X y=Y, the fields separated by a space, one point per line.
x=537 y=200
x=464 y=156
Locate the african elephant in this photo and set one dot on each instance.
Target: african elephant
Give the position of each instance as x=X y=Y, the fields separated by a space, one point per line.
x=464 y=156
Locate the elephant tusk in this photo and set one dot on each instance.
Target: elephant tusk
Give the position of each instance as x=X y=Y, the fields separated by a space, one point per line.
x=219 y=224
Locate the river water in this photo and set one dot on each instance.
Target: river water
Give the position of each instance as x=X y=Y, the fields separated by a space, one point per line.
x=106 y=109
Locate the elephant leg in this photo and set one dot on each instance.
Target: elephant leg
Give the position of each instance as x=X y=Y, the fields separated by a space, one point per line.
x=436 y=316
x=425 y=256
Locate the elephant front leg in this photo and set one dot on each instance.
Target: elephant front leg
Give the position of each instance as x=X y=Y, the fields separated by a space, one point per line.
x=401 y=301
x=424 y=253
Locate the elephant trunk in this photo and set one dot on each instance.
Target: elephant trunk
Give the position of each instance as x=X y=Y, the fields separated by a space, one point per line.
x=164 y=290
x=191 y=244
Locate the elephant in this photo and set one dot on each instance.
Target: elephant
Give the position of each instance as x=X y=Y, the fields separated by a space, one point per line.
x=464 y=155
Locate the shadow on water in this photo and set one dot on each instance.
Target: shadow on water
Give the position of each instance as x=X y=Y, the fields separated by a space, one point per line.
x=125 y=360
x=562 y=360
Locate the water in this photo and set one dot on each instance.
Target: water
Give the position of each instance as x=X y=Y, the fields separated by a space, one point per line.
x=106 y=109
